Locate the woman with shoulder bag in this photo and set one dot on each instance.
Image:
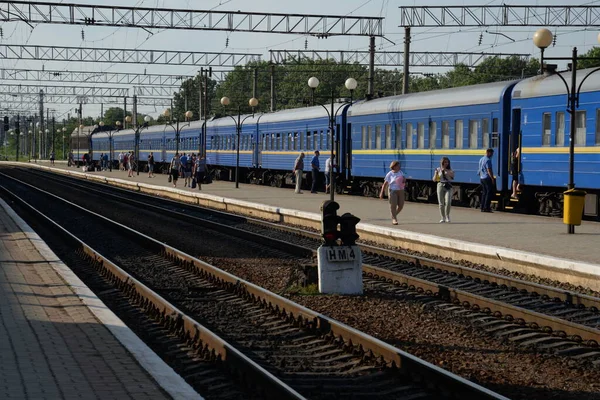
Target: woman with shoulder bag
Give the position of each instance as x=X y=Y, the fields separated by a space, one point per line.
x=444 y=176
x=175 y=166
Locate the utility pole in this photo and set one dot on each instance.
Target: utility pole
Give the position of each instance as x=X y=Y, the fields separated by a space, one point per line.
x=272 y=87
x=134 y=113
x=124 y=112
x=371 y=83
x=254 y=82
x=41 y=127
x=46 y=138
x=406 y=72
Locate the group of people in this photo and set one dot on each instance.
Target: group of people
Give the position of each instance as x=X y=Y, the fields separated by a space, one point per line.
x=127 y=162
x=315 y=165
x=395 y=181
x=191 y=167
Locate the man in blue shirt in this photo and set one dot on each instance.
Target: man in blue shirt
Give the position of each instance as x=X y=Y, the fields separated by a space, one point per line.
x=315 y=171
x=486 y=175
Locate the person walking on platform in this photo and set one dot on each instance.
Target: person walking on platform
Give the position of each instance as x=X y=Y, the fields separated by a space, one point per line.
x=52 y=158
x=105 y=160
x=151 y=165
x=444 y=176
x=71 y=162
x=175 y=167
x=329 y=164
x=298 y=170
x=316 y=167
x=121 y=156
x=395 y=182
x=486 y=175
x=200 y=169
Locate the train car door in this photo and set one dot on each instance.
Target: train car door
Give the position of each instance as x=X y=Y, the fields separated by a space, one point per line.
x=259 y=147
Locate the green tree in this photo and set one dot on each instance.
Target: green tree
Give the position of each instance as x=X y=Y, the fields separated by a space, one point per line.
x=594 y=52
x=188 y=98
x=112 y=115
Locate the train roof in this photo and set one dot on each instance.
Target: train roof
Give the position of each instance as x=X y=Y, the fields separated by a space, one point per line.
x=296 y=114
x=552 y=85
x=486 y=93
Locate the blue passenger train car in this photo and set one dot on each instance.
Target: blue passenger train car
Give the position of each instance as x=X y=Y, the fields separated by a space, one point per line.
x=542 y=129
x=418 y=129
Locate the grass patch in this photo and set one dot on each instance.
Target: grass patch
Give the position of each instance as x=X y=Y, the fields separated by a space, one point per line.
x=310 y=290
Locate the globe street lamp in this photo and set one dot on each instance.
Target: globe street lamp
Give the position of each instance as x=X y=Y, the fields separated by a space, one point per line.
x=188 y=115
x=542 y=39
x=253 y=102
x=138 y=130
x=351 y=85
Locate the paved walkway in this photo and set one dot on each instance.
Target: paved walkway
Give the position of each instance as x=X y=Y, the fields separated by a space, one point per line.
x=541 y=235
x=51 y=345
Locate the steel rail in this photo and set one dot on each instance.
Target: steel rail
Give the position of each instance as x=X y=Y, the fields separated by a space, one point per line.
x=195 y=331
x=420 y=370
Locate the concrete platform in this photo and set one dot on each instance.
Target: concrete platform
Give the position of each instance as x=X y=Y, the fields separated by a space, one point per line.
x=541 y=235
x=58 y=340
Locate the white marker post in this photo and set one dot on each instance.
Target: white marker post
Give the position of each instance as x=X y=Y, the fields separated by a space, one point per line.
x=340 y=266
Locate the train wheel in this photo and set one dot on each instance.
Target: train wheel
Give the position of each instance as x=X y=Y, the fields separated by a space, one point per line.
x=366 y=191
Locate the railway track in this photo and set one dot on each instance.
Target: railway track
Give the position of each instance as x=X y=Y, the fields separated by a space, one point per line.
x=269 y=342
x=523 y=312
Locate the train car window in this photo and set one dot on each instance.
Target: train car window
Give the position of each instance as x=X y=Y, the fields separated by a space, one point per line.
x=316 y=137
x=370 y=137
x=559 y=139
x=597 y=139
x=378 y=137
x=495 y=133
x=301 y=140
x=409 y=136
x=473 y=125
x=432 y=134
x=321 y=140
x=388 y=136
x=546 y=128
x=485 y=133
x=420 y=135
x=273 y=142
x=308 y=140
x=445 y=134
x=580 y=128
x=398 y=136
x=364 y=137
x=459 y=132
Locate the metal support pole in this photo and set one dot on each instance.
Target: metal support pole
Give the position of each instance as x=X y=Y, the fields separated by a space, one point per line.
x=17 y=131
x=79 y=132
x=573 y=111
x=371 y=82
x=209 y=74
x=41 y=128
x=273 y=107
x=124 y=112
x=177 y=137
x=237 y=148
x=542 y=60
x=331 y=144
x=53 y=129
x=137 y=135
x=200 y=110
x=46 y=134
x=254 y=82
x=110 y=143
x=406 y=69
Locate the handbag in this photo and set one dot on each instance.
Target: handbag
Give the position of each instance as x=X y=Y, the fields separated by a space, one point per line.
x=194 y=183
x=170 y=178
x=447 y=186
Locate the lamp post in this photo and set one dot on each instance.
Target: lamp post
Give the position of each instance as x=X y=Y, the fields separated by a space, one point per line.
x=34 y=144
x=177 y=128
x=79 y=131
x=138 y=130
x=542 y=39
x=351 y=85
x=111 y=133
x=253 y=102
x=30 y=133
x=64 y=130
x=46 y=131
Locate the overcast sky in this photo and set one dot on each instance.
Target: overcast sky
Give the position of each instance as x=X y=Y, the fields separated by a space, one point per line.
x=424 y=39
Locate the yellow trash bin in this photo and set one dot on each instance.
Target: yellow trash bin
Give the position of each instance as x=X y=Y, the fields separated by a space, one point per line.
x=574 y=202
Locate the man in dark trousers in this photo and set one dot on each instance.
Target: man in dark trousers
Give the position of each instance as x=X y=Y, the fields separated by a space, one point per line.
x=315 y=171
x=486 y=175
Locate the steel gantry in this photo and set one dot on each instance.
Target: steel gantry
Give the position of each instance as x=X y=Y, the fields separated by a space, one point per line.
x=501 y=15
x=154 y=91
x=125 y=56
x=206 y=20
x=63 y=90
x=11 y=74
x=387 y=58
x=51 y=99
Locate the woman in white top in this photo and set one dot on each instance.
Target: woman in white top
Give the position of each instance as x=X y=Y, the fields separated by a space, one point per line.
x=444 y=176
x=395 y=181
